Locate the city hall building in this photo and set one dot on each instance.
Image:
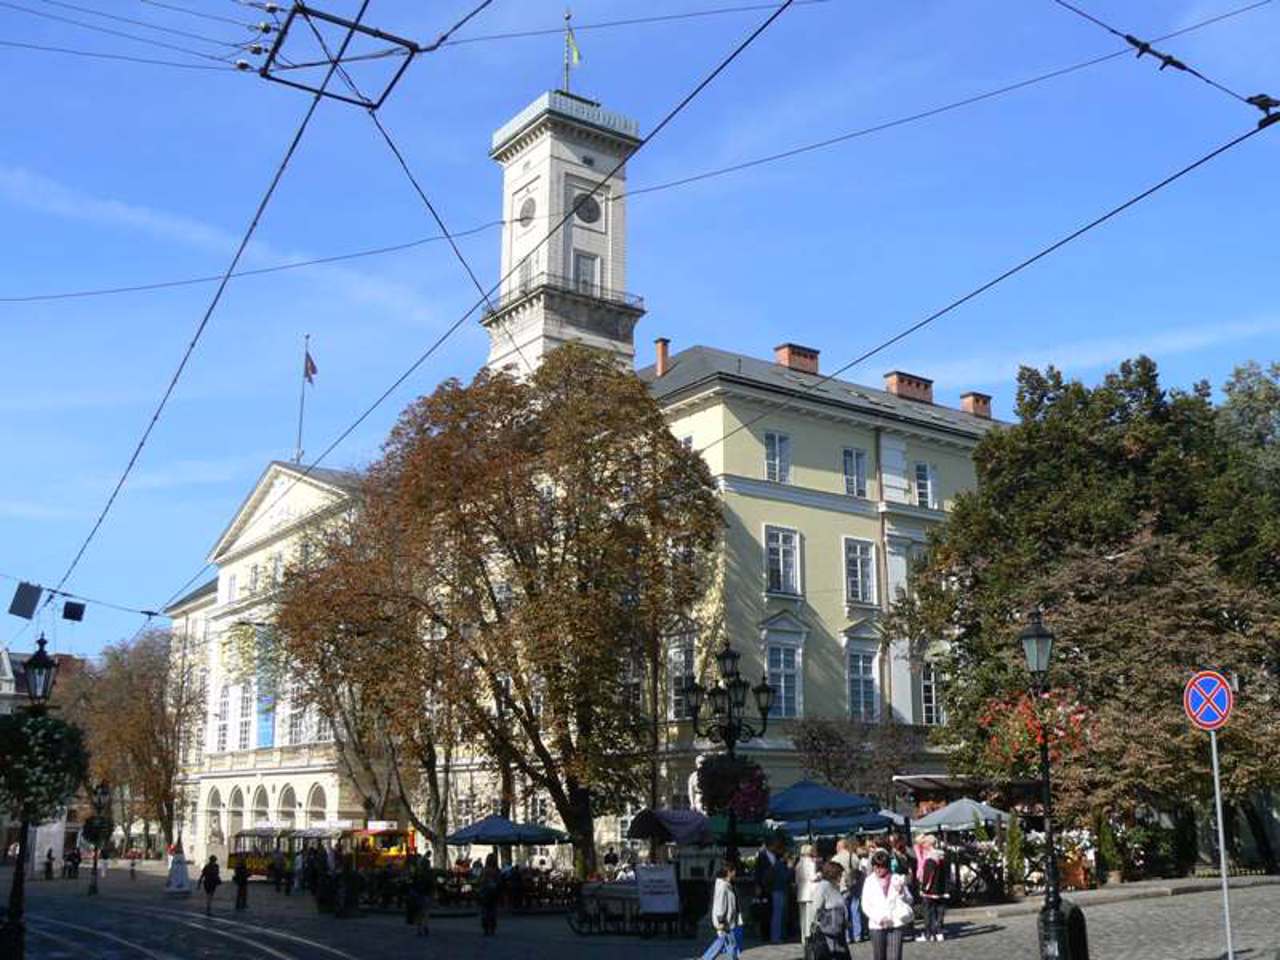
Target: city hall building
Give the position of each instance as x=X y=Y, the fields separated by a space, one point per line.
x=829 y=489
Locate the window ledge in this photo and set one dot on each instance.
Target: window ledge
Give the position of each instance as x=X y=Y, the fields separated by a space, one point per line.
x=782 y=595
x=851 y=605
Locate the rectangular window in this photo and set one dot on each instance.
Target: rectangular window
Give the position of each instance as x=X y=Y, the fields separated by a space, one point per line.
x=686 y=442
x=781 y=560
x=231 y=588
x=324 y=729
x=586 y=272
x=931 y=696
x=855 y=472
x=297 y=715
x=783 y=677
x=859 y=571
x=244 y=741
x=526 y=275
x=862 y=686
x=224 y=713
x=924 y=485
x=253 y=579
x=682 y=671
x=777 y=457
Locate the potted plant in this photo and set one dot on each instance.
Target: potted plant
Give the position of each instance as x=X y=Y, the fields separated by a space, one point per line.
x=1110 y=860
x=1015 y=858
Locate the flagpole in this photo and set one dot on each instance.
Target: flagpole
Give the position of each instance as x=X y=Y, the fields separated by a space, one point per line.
x=567 y=14
x=302 y=397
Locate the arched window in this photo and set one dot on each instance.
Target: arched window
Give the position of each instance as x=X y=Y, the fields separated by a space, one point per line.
x=235 y=813
x=214 y=817
x=287 y=807
x=316 y=806
x=261 y=810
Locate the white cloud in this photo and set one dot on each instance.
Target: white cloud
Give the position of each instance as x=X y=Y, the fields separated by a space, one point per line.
x=30 y=510
x=1001 y=368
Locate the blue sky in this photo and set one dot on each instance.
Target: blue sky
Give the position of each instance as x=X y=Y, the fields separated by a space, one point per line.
x=115 y=173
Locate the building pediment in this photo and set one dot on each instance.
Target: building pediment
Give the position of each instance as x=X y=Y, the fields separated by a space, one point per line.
x=784 y=622
x=284 y=495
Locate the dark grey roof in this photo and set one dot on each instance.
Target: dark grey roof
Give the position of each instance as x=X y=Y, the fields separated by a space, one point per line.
x=347 y=480
x=697 y=366
x=206 y=588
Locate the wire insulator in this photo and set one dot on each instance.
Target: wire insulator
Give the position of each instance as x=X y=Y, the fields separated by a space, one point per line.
x=264 y=28
x=243 y=65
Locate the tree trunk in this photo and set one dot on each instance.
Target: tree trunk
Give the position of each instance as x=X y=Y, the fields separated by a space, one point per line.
x=581 y=826
x=1258 y=827
x=506 y=803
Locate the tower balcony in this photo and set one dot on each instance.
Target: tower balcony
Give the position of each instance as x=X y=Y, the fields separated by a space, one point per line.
x=574 y=288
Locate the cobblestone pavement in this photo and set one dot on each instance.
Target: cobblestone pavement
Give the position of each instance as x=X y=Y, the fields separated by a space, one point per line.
x=134 y=920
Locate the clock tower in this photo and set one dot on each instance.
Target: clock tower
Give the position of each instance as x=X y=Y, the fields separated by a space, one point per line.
x=569 y=286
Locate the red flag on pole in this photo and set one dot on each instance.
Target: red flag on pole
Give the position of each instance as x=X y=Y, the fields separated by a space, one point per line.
x=309 y=369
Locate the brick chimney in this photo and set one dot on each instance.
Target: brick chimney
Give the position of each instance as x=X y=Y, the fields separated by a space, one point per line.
x=804 y=359
x=663 y=361
x=909 y=386
x=978 y=404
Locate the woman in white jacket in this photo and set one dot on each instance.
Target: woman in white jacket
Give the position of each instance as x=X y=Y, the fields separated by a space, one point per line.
x=887 y=905
x=807 y=878
x=726 y=918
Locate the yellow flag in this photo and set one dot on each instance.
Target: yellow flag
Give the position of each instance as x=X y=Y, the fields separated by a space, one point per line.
x=575 y=55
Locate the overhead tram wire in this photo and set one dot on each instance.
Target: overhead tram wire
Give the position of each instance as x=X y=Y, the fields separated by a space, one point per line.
x=666 y=185
x=1166 y=60
x=110 y=56
x=213 y=303
x=453 y=328
x=995 y=281
x=577 y=27
x=195 y=13
x=145 y=24
x=112 y=32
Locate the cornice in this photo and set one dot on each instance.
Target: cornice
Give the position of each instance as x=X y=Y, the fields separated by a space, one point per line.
x=796 y=495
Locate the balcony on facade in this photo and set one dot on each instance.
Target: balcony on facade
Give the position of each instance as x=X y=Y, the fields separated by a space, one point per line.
x=573 y=286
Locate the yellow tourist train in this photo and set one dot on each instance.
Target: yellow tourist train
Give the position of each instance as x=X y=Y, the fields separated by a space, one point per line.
x=380 y=844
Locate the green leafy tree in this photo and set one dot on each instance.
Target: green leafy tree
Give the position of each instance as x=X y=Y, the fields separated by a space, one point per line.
x=1103 y=505
x=1015 y=854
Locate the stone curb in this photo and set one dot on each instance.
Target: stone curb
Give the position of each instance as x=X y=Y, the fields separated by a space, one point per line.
x=1124 y=892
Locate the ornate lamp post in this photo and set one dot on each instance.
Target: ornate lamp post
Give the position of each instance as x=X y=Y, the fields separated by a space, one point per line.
x=39 y=673
x=728 y=723
x=1037 y=644
x=101 y=799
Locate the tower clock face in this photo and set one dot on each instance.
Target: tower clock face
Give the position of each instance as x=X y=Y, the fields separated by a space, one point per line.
x=527 y=210
x=588 y=210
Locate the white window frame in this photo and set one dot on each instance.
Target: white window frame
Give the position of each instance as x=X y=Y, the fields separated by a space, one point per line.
x=785 y=641
x=581 y=283
x=932 y=703
x=863 y=649
x=231 y=588
x=681 y=664
x=926 y=491
x=868 y=595
x=296 y=731
x=796 y=547
x=223 y=716
x=244 y=732
x=777 y=456
x=854 y=459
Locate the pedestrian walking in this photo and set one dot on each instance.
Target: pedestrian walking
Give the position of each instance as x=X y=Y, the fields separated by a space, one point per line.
x=488 y=897
x=48 y=864
x=827 y=936
x=886 y=901
x=277 y=868
x=933 y=886
x=210 y=879
x=240 y=877
x=807 y=878
x=726 y=917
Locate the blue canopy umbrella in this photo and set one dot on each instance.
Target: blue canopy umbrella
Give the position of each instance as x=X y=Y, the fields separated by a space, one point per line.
x=836 y=826
x=807 y=800
x=498 y=831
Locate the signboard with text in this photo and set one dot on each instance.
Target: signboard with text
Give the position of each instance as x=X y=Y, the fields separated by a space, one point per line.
x=656 y=888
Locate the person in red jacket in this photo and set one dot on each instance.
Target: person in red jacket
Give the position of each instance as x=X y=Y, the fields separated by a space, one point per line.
x=933 y=886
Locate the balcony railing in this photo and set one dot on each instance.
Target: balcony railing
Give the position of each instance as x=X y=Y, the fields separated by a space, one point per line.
x=521 y=289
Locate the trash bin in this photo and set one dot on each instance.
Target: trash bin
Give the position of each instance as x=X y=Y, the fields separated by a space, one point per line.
x=1075 y=941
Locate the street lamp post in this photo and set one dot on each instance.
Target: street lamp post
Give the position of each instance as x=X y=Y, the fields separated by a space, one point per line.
x=39 y=672
x=1037 y=645
x=100 y=799
x=728 y=724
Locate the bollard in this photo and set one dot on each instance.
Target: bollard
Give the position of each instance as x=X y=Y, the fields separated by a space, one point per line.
x=133 y=869
x=1076 y=945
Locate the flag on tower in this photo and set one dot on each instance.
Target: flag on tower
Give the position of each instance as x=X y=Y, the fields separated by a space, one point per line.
x=575 y=55
x=309 y=369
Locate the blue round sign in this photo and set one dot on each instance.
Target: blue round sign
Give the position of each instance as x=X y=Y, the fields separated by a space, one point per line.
x=1208 y=700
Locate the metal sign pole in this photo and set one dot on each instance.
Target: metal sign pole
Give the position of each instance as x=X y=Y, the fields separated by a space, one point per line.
x=1222 y=842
